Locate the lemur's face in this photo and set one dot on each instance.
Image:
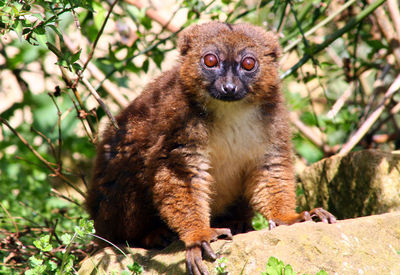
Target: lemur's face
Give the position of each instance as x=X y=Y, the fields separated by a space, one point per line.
x=230 y=62
x=228 y=72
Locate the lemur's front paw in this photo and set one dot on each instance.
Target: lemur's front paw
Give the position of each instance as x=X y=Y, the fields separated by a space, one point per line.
x=322 y=215
x=194 y=259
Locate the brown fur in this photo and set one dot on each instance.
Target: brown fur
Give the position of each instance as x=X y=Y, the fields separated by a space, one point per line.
x=181 y=159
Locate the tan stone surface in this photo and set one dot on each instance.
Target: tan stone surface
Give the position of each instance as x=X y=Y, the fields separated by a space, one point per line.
x=368 y=245
x=360 y=184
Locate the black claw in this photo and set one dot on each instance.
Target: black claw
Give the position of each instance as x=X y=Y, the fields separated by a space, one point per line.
x=189 y=267
x=200 y=266
x=209 y=252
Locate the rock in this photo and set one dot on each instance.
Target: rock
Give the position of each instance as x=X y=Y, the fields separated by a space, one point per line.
x=368 y=245
x=359 y=184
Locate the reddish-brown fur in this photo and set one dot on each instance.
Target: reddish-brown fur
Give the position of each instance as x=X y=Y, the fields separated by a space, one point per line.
x=182 y=160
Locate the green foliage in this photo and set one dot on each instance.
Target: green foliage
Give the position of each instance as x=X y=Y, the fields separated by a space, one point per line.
x=43 y=264
x=135 y=268
x=259 y=222
x=277 y=267
x=221 y=266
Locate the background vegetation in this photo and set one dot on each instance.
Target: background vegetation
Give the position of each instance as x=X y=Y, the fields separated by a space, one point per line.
x=67 y=66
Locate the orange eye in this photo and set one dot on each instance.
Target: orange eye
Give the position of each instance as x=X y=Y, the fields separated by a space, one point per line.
x=210 y=60
x=248 y=63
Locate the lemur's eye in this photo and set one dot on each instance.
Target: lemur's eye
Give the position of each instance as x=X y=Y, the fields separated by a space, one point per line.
x=210 y=60
x=248 y=63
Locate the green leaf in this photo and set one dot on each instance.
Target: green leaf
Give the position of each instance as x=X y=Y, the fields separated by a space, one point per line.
x=146 y=21
x=18 y=30
x=274 y=266
x=259 y=222
x=85 y=227
x=288 y=270
x=30 y=272
x=77 y=67
x=43 y=244
x=136 y=268
x=75 y=57
x=66 y=238
x=157 y=57
x=145 y=65
x=57 y=31
x=309 y=118
x=52 y=265
x=35 y=261
x=99 y=15
x=41 y=39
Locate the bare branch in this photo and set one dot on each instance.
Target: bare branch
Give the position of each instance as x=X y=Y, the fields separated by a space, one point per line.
x=394 y=12
x=331 y=38
x=388 y=31
x=90 y=56
x=340 y=102
x=319 y=25
x=361 y=132
x=58 y=156
x=11 y=218
x=49 y=165
x=309 y=133
x=98 y=98
x=154 y=15
x=68 y=81
x=107 y=85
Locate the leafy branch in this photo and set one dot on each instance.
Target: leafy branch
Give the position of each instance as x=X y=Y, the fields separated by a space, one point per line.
x=331 y=38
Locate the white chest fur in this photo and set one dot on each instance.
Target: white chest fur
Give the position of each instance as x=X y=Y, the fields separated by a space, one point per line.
x=237 y=141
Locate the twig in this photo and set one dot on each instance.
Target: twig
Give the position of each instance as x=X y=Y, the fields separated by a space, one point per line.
x=282 y=20
x=377 y=88
x=39 y=165
x=68 y=81
x=58 y=194
x=154 y=15
x=388 y=32
x=45 y=22
x=331 y=38
x=340 y=102
x=56 y=172
x=382 y=122
x=81 y=119
x=11 y=218
x=394 y=12
x=371 y=119
x=323 y=139
x=98 y=98
x=148 y=49
x=306 y=131
x=58 y=156
x=108 y=86
x=47 y=139
x=395 y=109
x=90 y=56
x=319 y=25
